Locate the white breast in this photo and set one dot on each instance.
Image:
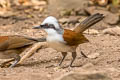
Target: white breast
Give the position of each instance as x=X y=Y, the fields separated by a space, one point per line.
x=55 y=37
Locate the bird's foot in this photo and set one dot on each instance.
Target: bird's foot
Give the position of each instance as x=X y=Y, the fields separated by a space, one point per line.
x=5 y=65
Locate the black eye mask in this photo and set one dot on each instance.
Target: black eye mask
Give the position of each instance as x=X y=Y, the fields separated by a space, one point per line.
x=47 y=26
x=51 y=26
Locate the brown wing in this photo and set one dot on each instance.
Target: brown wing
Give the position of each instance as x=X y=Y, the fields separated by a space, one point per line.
x=72 y=38
x=12 y=42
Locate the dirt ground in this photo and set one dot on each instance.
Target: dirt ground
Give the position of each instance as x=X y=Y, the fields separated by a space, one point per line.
x=40 y=66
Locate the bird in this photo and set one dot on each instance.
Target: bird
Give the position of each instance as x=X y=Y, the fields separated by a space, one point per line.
x=13 y=45
x=66 y=40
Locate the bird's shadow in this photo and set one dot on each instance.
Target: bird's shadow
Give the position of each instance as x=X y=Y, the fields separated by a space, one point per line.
x=31 y=64
x=38 y=63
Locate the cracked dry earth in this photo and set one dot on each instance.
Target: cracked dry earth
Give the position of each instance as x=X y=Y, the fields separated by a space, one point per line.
x=40 y=65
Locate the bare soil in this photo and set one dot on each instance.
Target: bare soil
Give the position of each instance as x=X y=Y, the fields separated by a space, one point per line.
x=40 y=66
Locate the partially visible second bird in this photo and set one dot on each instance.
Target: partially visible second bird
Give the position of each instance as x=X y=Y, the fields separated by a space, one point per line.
x=12 y=46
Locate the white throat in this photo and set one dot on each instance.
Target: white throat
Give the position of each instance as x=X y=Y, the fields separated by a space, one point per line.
x=54 y=35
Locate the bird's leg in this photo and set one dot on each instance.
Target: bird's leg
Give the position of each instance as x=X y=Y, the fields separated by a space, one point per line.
x=64 y=54
x=73 y=56
x=17 y=59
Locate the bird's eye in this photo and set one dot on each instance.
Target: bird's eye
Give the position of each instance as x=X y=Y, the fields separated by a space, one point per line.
x=49 y=26
x=46 y=24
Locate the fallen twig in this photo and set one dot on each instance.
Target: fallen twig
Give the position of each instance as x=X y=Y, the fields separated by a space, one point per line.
x=32 y=51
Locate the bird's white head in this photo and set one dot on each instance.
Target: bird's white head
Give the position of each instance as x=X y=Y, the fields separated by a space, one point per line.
x=51 y=26
x=53 y=29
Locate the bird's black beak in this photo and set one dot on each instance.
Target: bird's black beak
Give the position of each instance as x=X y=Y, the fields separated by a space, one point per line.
x=37 y=27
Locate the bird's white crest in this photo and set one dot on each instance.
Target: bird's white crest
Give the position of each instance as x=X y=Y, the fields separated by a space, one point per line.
x=51 y=20
x=53 y=35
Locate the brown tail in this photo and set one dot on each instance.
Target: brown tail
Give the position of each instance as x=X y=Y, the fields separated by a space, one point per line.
x=88 y=22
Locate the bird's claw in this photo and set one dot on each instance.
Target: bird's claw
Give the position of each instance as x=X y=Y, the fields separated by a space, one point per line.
x=5 y=65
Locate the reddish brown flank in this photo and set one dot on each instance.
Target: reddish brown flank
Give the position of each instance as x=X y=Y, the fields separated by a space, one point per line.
x=72 y=38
